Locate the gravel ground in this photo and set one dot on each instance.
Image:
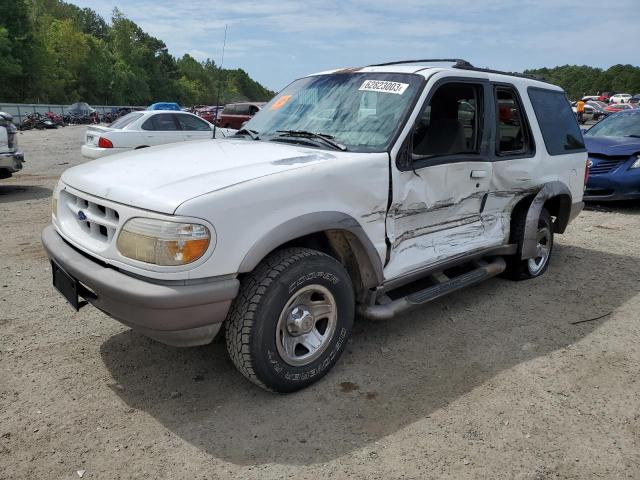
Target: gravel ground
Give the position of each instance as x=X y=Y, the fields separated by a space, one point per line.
x=498 y=381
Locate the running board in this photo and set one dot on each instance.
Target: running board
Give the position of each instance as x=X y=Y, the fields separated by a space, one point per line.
x=443 y=286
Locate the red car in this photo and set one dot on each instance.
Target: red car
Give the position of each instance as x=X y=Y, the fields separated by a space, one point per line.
x=236 y=114
x=208 y=113
x=618 y=107
x=605 y=96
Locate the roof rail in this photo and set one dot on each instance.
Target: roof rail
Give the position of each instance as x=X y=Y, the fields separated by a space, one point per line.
x=462 y=65
x=458 y=62
x=500 y=72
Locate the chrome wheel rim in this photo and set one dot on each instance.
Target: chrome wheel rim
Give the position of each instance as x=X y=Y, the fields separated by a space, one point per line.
x=306 y=325
x=543 y=250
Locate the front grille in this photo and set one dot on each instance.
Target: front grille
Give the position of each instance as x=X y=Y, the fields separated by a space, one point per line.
x=93 y=220
x=605 y=164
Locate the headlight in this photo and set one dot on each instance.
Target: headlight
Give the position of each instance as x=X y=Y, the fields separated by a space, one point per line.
x=163 y=243
x=54 y=199
x=636 y=164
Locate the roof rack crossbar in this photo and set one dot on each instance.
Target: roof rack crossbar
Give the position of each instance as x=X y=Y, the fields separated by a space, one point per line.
x=458 y=62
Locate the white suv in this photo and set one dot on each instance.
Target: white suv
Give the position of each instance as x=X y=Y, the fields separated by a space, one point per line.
x=345 y=187
x=620 y=98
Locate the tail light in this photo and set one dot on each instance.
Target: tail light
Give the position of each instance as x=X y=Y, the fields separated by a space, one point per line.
x=586 y=171
x=104 y=143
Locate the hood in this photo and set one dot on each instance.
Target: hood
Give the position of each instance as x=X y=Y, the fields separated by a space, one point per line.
x=612 y=145
x=161 y=178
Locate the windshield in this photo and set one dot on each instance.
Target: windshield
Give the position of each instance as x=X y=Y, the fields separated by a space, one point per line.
x=619 y=125
x=361 y=111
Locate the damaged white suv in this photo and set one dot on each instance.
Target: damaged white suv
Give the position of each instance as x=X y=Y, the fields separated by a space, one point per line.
x=345 y=187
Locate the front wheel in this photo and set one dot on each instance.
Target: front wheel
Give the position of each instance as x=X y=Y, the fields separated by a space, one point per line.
x=291 y=320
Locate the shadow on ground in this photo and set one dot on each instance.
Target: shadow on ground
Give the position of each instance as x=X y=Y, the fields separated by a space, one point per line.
x=399 y=371
x=628 y=207
x=19 y=193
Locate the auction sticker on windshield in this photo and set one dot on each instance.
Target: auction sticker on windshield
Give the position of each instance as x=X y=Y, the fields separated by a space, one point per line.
x=384 y=86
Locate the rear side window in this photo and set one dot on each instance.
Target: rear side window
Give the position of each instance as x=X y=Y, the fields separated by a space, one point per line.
x=512 y=131
x=162 y=122
x=242 y=110
x=557 y=122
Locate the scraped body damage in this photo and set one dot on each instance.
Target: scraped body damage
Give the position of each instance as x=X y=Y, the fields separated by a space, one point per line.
x=437 y=212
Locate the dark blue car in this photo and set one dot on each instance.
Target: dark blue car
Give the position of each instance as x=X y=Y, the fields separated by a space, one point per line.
x=614 y=157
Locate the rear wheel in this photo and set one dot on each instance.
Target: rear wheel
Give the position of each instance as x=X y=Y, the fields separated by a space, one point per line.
x=291 y=320
x=518 y=269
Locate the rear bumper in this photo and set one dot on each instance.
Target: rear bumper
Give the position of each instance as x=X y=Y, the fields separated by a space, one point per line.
x=180 y=315
x=90 y=151
x=11 y=161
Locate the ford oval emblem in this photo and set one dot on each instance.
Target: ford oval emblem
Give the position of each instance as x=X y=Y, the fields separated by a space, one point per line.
x=81 y=216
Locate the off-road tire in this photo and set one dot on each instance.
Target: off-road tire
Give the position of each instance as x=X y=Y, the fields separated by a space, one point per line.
x=252 y=322
x=518 y=269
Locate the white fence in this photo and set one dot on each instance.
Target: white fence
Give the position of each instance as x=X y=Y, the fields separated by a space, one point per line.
x=20 y=110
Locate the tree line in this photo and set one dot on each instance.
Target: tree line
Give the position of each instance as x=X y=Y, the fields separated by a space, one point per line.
x=578 y=81
x=55 y=52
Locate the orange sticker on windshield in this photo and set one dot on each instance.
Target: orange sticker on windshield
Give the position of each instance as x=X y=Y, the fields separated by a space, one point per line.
x=281 y=102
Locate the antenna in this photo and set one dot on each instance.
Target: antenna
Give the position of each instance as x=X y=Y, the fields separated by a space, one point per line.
x=224 y=45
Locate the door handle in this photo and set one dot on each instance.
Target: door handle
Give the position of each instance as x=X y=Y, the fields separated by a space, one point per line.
x=478 y=173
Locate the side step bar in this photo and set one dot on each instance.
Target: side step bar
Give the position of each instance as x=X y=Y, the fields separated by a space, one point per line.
x=444 y=286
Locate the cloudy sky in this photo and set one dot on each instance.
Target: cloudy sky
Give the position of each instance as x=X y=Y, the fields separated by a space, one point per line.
x=277 y=41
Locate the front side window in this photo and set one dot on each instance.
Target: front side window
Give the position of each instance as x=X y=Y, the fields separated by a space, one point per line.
x=361 y=111
x=557 y=122
x=512 y=133
x=191 y=123
x=451 y=122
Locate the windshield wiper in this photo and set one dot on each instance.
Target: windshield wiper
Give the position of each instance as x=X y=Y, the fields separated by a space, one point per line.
x=245 y=131
x=633 y=135
x=326 y=138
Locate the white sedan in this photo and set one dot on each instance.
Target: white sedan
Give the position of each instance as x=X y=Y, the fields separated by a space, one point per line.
x=146 y=129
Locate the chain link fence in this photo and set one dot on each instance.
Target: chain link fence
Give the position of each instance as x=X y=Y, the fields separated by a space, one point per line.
x=21 y=110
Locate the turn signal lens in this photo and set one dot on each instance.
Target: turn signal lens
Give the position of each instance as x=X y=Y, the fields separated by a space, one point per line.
x=104 y=143
x=636 y=164
x=161 y=242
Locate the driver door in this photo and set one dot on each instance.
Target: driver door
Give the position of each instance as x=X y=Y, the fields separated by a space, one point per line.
x=441 y=178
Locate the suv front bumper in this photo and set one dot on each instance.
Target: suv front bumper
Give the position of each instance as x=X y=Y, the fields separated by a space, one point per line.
x=11 y=161
x=175 y=314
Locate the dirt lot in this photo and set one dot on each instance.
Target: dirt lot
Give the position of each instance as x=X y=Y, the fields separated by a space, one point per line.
x=498 y=381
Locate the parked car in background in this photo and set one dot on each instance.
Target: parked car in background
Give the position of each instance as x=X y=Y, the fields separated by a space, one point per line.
x=209 y=113
x=635 y=99
x=605 y=96
x=588 y=98
x=344 y=191
x=165 y=106
x=620 y=98
x=599 y=109
x=613 y=146
x=11 y=159
x=235 y=115
x=589 y=112
x=618 y=107
x=146 y=129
